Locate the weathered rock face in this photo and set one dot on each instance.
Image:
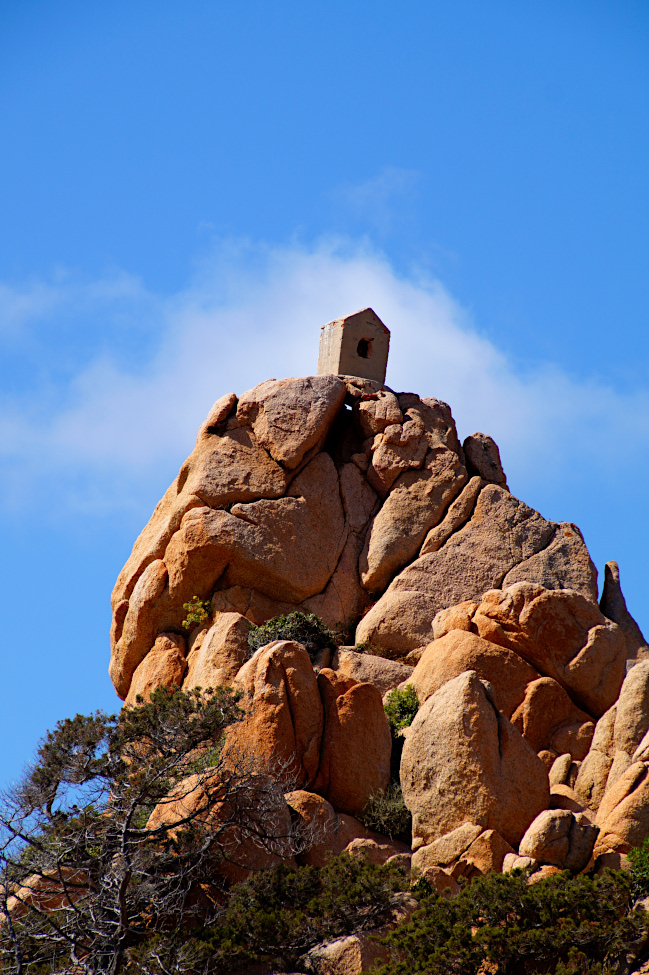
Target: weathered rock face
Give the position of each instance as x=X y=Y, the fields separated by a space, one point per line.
x=563 y=635
x=284 y=722
x=501 y=534
x=460 y=737
x=459 y=651
x=613 y=605
x=218 y=653
x=292 y=499
x=327 y=495
x=356 y=746
x=323 y=833
x=165 y=666
x=560 y=838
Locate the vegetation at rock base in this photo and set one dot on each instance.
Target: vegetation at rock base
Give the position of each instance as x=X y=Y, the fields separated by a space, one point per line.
x=386 y=812
x=115 y=850
x=198 y=611
x=77 y=834
x=639 y=860
x=276 y=916
x=305 y=628
x=371 y=650
x=401 y=707
x=499 y=925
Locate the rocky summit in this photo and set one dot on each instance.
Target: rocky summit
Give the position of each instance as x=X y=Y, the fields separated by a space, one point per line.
x=335 y=496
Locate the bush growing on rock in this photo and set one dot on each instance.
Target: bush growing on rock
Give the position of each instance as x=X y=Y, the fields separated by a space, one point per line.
x=305 y=628
x=386 y=812
x=198 y=611
x=639 y=861
x=498 y=924
x=401 y=707
x=126 y=822
x=274 y=917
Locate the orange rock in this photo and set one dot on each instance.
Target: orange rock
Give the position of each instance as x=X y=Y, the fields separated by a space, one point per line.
x=219 y=654
x=356 y=745
x=563 y=797
x=443 y=851
x=459 y=736
x=458 y=617
x=547 y=718
x=224 y=467
x=458 y=513
x=399 y=448
x=458 y=651
x=51 y=890
x=613 y=605
x=399 y=622
x=483 y=458
x=163 y=666
x=232 y=467
x=140 y=626
x=546 y=839
x=441 y=880
x=561 y=838
x=284 y=722
x=366 y=668
x=377 y=850
x=593 y=772
x=563 y=635
x=322 y=833
x=564 y=564
x=291 y=417
x=501 y=533
x=416 y=502
x=543 y=873
x=286 y=548
x=487 y=852
x=245 y=810
x=254 y=605
x=631 y=720
x=343 y=598
x=373 y=412
x=623 y=814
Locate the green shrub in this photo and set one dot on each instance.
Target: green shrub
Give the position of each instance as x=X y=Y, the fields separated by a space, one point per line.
x=564 y=925
x=277 y=915
x=371 y=650
x=639 y=859
x=198 y=611
x=386 y=812
x=401 y=707
x=305 y=628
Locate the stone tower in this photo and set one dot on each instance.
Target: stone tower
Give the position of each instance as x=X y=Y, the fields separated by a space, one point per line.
x=355 y=346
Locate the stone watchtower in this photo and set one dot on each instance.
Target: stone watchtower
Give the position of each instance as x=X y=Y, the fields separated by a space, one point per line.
x=356 y=345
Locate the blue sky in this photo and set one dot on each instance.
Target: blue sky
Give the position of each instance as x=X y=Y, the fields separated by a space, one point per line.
x=189 y=190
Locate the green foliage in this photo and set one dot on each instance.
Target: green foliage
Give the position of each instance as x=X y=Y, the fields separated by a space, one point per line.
x=305 y=628
x=276 y=916
x=386 y=812
x=371 y=650
x=81 y=815
x=639 y=860
x=401 y=707
x=565 y=925
x=198 y=611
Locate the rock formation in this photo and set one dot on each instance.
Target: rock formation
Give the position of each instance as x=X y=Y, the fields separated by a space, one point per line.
x=336 y=496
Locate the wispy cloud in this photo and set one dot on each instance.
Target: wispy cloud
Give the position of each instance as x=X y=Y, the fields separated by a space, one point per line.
x=127 y=414
x=382 y=200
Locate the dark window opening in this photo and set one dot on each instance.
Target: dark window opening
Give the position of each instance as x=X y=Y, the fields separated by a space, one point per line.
x=364 y=348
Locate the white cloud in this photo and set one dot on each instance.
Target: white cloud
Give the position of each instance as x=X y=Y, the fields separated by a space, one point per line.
x=255 y=312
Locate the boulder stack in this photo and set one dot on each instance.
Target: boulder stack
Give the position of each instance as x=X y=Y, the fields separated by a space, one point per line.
x=327 y=495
